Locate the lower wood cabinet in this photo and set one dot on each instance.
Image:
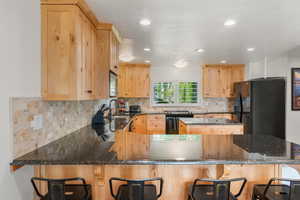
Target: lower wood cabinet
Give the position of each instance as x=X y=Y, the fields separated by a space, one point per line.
x=149 y=124
x=174 y=176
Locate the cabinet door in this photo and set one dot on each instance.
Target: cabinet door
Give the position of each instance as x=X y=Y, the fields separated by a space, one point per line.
x=140 y=124
x=133 y=80
x=123 y=79
x=141 y=81
x=114 y=54
x=237 y=75
x=211 y=81
x=58 y=46
x=102 y=67
x=218 y=80
x=87 y=73
x=156 y=124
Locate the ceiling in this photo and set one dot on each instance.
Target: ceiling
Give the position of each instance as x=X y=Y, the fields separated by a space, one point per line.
x=179 y=27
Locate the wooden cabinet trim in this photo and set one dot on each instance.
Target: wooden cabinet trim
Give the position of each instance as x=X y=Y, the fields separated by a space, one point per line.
x=80 y=3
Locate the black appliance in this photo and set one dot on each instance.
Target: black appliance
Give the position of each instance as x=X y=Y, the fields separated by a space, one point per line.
x=134 y=109
x=172 y=120
x=260 y=106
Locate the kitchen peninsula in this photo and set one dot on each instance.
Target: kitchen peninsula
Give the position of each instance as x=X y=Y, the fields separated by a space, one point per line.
x=178 y=159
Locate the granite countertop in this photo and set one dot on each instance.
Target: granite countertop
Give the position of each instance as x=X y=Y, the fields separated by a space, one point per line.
x=209 y=121
x=87 y=147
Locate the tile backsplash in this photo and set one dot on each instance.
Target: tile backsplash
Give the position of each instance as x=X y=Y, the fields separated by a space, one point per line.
x=57 y=120
x=206 y=105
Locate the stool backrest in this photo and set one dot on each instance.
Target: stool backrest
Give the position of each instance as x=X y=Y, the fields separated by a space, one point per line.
x=56 y=190
x=135 y=187
x=56 y=187
x=136 y=190
x=295 y=190
x=221 y=188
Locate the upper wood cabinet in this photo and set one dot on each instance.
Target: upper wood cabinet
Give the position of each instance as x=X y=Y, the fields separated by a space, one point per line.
x=68 y=45
x=134 y=80
x=77 y=52
x=107 y=43
x=112 y=40
x=114 y=55
x=218 y=80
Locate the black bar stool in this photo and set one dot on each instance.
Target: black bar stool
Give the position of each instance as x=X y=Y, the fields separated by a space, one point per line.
x=277 y=191
x=59 y=190
x=216 y=190
x=136 y=189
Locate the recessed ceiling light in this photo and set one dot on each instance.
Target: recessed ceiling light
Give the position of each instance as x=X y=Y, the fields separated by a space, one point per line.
x=251 y=49
x=181 y=63
x=223 y=61
x=145 y=22
x=147 y=49
x=200 y=50
x=147 y=61
x=229 y=23
x=126 y=58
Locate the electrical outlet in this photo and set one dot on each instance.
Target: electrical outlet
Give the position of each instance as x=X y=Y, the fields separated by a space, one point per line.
x=37 y=122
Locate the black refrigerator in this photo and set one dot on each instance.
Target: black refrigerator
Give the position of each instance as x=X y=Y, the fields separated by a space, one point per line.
x=260 y=105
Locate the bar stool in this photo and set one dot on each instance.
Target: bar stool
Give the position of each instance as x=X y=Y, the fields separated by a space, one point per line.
x=217 y=190
x=59 y=190
x=277 y=191
x=136 y=189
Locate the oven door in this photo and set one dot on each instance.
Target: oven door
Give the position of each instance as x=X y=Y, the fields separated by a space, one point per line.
x=171 y=125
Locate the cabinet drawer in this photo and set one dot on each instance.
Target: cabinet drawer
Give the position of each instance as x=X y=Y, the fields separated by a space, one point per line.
x=156 y=117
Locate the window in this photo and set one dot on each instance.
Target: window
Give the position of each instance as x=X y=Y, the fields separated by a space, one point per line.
x=175 y=93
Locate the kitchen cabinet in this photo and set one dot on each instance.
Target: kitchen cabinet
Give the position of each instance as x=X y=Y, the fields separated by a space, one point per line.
x=218 y=80
x=68 y=53
x=77 y=52
x=114 y=55
x=134 y=80
x=110 y=50
x=156 y=124
x=139 y=124
x=107 y=43
x=149 y=124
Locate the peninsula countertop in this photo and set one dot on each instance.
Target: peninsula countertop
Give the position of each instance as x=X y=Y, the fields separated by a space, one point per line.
x=86 y=147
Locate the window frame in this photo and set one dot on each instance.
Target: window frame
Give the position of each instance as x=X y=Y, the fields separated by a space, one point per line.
x=176 y=104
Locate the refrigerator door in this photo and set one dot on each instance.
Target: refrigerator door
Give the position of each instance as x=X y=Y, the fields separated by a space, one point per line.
x=268 y=107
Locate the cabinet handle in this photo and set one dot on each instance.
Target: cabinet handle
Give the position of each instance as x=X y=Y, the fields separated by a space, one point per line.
x=116 y=67
x=89 y=91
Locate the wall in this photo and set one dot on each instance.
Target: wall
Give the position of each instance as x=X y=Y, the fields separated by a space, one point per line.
x=58 y=120
x=190 y=73
x=293 y=117
x=20 y=76
x=281 y=66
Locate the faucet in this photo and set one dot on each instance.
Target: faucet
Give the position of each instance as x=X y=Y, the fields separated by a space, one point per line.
x=110 y=115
